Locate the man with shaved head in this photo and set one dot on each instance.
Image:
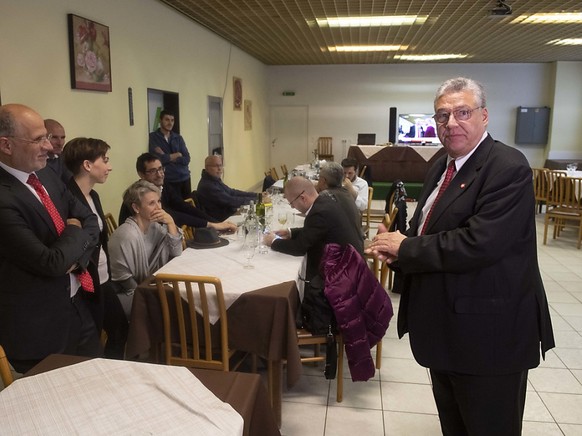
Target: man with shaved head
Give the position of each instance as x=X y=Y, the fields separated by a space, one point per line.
x=47 y=237
x=55 y=162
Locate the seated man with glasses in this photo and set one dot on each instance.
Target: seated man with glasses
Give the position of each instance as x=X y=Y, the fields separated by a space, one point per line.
x=150 y=168
x=216 y=198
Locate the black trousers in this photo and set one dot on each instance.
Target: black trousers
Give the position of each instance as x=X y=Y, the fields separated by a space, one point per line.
x=479 y=405
x=82 y=337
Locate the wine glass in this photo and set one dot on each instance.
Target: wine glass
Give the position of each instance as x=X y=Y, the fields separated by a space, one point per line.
x=282 y=218
x=248 y=253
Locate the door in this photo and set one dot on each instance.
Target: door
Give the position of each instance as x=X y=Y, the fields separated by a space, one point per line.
x=215 y=126
x=288 y=128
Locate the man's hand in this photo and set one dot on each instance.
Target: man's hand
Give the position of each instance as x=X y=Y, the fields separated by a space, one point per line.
x=174 y=156
x=350 y=187
x=386 y=245
x=225 y=226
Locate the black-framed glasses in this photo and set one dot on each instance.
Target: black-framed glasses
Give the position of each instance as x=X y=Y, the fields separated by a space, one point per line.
x=37 y=141
x=296 y=198
x=153 y=171
x=442 y=117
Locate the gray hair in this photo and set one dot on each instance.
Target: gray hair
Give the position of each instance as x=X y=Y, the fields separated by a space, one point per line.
x=136 y=191
x=459 y=84
x=333 y=173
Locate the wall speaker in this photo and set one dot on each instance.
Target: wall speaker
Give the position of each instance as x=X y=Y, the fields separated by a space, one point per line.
x=393 y=125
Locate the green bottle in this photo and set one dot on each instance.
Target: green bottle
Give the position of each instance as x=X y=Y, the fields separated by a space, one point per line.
x=261 y=210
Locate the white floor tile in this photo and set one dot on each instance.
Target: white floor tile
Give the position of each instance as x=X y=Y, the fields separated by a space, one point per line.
x=403 y=370
x=571 y=429
x=565 y=408
x=407 y=397
x=540 y=429
x=365 y=395
x=407 y=424
x=572 y=358
x=345 y=421
x=309 y=389
x=301 y=419
x=554 y=380
x=535 y=410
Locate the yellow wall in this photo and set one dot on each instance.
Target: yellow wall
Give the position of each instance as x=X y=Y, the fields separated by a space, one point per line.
x=152 y=46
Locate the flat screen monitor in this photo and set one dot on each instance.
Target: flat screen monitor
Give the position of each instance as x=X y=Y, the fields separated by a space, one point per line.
x=366 y=139
x=417 y=129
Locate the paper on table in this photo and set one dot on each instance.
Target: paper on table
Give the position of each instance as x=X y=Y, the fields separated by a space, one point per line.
x=106 y=397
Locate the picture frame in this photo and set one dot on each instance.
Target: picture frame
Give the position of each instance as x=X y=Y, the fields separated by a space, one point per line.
x=248 y=115
x=89 y=54
x=237 y=93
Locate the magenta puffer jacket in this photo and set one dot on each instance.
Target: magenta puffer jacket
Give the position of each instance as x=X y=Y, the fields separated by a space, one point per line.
x=361 y=306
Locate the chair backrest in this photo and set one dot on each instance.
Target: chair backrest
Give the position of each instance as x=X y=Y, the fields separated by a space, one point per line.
x=362 y=171
x=390 y=219
x=324 y=146
x=541 y=183
x=274 y=174
x=190 y=200
x=110 y=222
x=5 y=372
x=368 y=210
x=188 y=339
x=284 y=169
x=188 y=234
x=565 y=191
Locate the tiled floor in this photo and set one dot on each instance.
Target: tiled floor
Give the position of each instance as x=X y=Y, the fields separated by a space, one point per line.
x=398 y=401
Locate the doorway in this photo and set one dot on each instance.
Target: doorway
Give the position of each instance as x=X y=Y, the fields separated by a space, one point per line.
x=159 y=100
x=215 y=140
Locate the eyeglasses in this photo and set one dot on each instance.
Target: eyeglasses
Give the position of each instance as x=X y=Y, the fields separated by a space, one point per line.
x=296 y=198
x=442 y=117
x=153 y=171
x=36 y=141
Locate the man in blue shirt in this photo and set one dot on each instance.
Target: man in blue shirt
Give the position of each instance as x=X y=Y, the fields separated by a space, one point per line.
x=171 y=149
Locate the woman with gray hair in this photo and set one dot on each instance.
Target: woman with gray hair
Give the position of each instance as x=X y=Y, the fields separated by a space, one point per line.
x=144 y=242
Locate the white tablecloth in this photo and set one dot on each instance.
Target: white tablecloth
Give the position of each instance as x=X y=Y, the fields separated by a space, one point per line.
x=227 y=262
x=425 y=151
x=112 y=397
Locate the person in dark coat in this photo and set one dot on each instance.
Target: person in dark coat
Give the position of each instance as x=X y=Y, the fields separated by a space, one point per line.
x=473 y=301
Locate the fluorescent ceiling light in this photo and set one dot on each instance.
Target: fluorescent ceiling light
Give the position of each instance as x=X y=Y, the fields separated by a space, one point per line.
x=435 y=57
x=359 y=48
x=566 y=41
x=557 y=18
x=374 y=21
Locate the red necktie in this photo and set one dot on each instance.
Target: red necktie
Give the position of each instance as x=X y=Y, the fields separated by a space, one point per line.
x=448 y=177
x=84 y=277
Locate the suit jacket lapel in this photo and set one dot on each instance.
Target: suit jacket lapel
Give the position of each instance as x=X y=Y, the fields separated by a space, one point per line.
x=462 y=180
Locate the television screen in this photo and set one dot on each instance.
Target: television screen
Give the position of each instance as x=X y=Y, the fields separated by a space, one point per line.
x=417 y=129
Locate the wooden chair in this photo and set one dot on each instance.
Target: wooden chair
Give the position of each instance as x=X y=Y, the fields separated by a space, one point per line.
x=386 y=274
x=378 y=215
x=366 y=214
x=190 y=200
x=194 y=344
x=541 y=186
x=363 y=171
x=324 y=148
x=188 y=235
x=284 y=170
x=111 y=223
x=304 y=337
x=274 y=174
x=5 y=372
x=564 y=206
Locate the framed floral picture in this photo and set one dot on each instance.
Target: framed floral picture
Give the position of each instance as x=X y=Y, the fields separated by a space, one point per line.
x=90 y=55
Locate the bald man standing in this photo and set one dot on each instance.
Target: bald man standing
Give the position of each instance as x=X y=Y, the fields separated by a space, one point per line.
x=57 y=138
x=47 y=237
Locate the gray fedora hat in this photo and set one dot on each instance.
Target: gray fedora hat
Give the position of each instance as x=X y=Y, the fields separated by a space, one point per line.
x=206 y=237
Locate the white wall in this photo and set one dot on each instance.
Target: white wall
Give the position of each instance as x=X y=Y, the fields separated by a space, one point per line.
x=345 y=100
x=152 y=46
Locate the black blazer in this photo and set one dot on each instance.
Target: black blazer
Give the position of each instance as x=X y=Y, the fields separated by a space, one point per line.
x=35 y=288
x=473 y=299
x=325 y=223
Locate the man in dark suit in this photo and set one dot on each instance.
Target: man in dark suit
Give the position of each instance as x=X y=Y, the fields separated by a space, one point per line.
x=473 y=301
x=43 y=253
x=325 y=223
